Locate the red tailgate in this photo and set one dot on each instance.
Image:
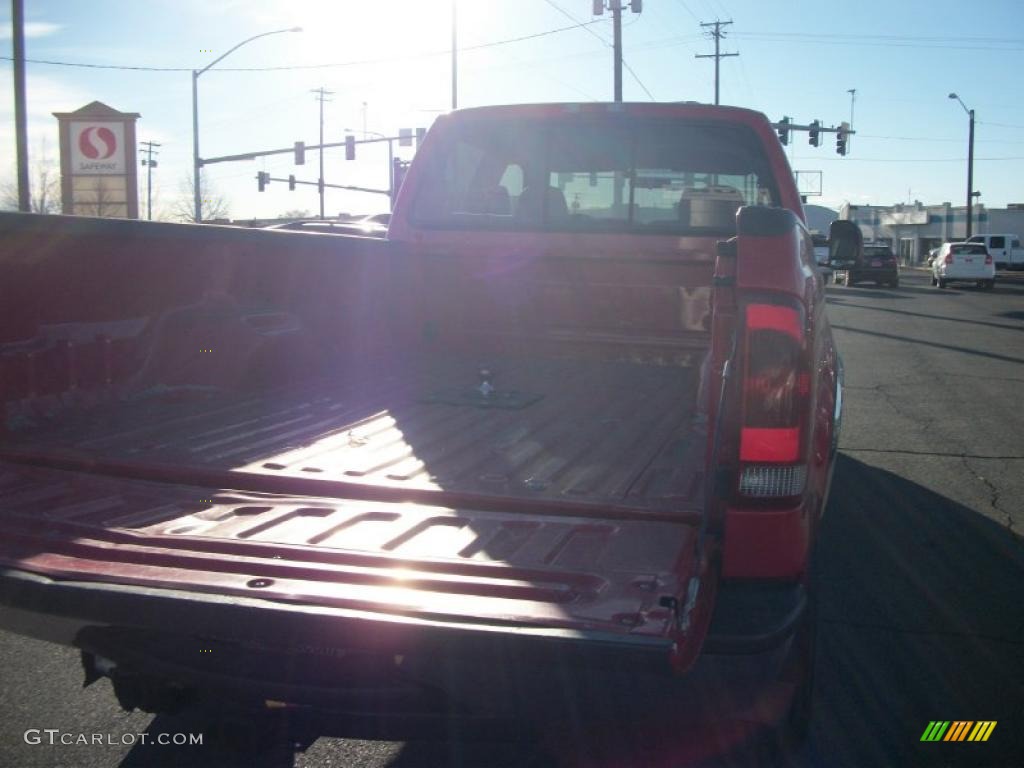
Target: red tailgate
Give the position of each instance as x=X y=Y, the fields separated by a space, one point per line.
x=607 y=573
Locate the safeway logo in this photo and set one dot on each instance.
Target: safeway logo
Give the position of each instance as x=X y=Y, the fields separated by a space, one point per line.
x=97 y=142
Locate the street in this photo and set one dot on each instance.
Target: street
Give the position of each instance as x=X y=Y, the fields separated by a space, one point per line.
x=920 y=561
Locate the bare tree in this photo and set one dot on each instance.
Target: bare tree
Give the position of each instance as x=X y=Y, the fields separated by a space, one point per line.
x=214 y=205
x=44 y=185
x=105 y=199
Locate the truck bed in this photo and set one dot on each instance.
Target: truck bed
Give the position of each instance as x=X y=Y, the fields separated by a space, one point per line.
x=176 y=494
x=596 y=432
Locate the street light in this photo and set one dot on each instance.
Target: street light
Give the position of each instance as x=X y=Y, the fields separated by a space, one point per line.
x=197 y=193
x=970 y=163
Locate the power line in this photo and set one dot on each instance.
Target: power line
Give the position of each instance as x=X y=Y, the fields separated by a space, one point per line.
x=925 y=43
x=933 y=138
x=695 y=16
x=912 y=38
x=638 y=80
x=339 y=64
x=1001 y=125
x=908 y=159
x=604 y=42
x=576 y=21
x=519 y=63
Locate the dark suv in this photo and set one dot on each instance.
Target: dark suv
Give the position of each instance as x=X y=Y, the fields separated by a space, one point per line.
x=877 y=263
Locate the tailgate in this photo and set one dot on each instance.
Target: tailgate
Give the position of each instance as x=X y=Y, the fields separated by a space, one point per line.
x=621 y=575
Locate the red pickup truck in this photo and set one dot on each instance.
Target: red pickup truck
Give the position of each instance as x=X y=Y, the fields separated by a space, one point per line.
x=560 y=443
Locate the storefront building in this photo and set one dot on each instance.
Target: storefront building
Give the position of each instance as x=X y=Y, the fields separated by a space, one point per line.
x=913 y=229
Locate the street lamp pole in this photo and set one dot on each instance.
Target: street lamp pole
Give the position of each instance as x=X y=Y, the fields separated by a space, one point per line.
x=970 y=164
x=455 y=56
x=196 y=163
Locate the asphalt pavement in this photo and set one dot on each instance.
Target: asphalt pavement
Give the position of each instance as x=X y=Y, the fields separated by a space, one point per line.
x=920 y=561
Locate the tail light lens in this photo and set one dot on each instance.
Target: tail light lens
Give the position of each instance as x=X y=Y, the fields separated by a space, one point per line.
x=988 y=259
x=776 y=396
x=949 y=258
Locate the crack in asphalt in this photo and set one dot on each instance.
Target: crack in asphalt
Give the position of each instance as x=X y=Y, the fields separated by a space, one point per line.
x=993 y=493
x=927 y=422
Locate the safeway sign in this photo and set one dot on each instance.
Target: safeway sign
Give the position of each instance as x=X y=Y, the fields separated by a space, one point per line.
x=98 y=170
x=97 y=147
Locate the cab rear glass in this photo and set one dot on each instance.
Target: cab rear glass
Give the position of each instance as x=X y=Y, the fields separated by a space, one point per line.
x=581 y=174
x=969 y=249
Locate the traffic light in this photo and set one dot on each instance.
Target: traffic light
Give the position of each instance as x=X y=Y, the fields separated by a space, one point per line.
x=405 y=137
x=841 y=138
x=814 y=135
x=300 y=153
x=421 y=134
x=350 y=147
x=262 y=179
x=636 y=5
x=784 y=130
x=598 y=7
x=291 y=183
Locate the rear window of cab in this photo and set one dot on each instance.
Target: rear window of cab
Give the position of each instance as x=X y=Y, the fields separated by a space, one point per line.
x=576 y=173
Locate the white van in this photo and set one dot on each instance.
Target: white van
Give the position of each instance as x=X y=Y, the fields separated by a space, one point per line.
x=1005 y=249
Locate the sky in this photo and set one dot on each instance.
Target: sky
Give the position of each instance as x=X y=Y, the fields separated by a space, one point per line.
x=388 y=66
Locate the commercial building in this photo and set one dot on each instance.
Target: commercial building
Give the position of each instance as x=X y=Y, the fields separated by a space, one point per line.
x=913 y=229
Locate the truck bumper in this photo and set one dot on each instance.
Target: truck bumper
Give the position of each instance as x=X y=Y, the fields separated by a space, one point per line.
x=371 y=680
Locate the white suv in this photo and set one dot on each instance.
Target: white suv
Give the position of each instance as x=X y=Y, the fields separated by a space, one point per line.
x=964 y=262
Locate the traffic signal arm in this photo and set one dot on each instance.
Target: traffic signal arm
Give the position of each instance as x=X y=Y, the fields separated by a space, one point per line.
x=264 y=178
x=821 y=128
x=784 y=127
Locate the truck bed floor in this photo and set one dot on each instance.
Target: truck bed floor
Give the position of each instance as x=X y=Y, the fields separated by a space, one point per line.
x=607 y=433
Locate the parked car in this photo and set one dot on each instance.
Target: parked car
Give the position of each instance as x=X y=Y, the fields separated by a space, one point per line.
x=875 y=263
x=964 y=263
x=323 y=226
x=375 y=225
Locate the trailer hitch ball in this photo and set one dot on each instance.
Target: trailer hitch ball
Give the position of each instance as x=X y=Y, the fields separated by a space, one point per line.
x=486 y=387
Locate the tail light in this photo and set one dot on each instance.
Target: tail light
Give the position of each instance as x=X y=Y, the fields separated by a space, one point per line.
x=776 y=395
x=988 y=259
x=949 y=258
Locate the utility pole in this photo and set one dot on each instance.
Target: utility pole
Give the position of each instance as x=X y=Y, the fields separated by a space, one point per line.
x=150 y=164
x=616 y=9
x=853 y=100
x=971 y=194
x=321 y=96
x=20 y=114
x=717 y=34
x=970 y=177
x=455 y=57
